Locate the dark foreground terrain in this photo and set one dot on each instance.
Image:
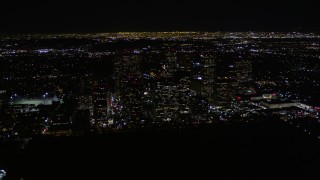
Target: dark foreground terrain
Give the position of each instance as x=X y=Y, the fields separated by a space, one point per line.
x=265 y=150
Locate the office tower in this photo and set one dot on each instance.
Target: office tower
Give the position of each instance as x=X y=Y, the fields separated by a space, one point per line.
x=101 y=101
x=208 y=77
x=128 y=85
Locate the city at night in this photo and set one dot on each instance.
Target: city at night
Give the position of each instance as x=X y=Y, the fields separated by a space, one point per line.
x=205 y=95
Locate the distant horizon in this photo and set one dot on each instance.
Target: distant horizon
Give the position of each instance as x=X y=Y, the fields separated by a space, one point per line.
x=173 y=31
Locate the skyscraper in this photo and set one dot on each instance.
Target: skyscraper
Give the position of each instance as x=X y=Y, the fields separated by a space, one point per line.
x=208 y=77
x=128 y=85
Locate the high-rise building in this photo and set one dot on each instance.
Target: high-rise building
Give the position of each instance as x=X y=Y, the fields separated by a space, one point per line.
x=243 y=70
x=243 y=77
x=169 y=64
x=224 y=93
x=234 y=78
x=185 y=60
x=2 y=96
x=167 y=105
x=85 y=103
x=101 y=101
x=199 y=108
x=208 y=78
x=128 y=85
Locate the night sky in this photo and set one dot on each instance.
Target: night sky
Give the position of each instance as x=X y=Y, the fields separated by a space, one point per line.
x=155 y=15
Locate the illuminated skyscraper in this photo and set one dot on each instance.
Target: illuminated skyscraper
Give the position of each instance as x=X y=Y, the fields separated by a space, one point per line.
x=101 y=101
x=233 y=78
x=166 y=101
x=128 y=85
x=208 y=78
x=243 y=77
x=169 y=65
x=243 y=70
